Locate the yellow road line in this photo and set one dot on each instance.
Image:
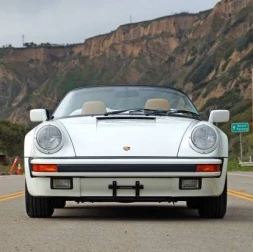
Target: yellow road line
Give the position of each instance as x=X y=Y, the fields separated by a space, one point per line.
x=236 y=194
x=11 y=196
x=241 y=195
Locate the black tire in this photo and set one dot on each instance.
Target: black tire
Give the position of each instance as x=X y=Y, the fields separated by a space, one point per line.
x=192 y=204
x=214 y=207
x=59 y=203
x=38 y=207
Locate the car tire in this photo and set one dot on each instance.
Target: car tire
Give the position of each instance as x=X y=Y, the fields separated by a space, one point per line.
x=38 y=207
x=192 y=204
x=59 y=203
x=214 y=207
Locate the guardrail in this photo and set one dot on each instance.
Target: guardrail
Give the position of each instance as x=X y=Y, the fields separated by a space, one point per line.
x=246 y=164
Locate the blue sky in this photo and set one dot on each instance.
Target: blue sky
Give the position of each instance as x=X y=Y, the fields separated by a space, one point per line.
x=72 y=21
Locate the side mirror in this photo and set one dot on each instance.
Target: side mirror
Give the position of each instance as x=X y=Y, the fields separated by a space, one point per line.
x=38 y=115
x=219 y=116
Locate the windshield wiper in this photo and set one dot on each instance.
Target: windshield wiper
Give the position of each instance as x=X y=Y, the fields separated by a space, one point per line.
x=183 y=112
x=150 y=111
x=175 y=112
x=153 y=112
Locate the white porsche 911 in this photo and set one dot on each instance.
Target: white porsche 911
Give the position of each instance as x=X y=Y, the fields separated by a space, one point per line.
x=126 y=144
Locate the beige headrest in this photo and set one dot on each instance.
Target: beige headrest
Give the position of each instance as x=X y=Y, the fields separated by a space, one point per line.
x=93 y=108
x=157 y=104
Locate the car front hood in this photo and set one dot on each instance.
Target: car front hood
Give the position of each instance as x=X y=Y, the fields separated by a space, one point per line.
x=126 y=136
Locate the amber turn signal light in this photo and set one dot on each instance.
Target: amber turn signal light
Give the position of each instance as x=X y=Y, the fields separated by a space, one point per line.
x=208 y=168
x=44 y=168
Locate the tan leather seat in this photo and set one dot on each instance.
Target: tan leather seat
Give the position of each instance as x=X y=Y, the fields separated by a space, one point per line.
x=157 y=104
x=93 y=108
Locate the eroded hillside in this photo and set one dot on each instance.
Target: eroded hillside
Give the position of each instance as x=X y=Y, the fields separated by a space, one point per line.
x=208 y=55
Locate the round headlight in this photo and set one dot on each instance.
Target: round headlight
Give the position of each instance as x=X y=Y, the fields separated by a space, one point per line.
x=49 y=138
x=204 y=137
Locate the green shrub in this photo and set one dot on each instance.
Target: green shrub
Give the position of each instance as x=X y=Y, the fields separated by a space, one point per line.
x=242 y=16
x=225 y=65
x=194 y=51
x=226 y=101
x=234 y=71
x=189 y=62
x=209 y=87
x=12 y=138
x=228 y=52
x=248 y=59
x=200 y=85
x=242 y=106
x=205 y=46
x=179 y=49
x=201 y=72
x=243 y=42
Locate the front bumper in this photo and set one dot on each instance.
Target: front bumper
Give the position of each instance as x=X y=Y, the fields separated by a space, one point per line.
x=91 y=178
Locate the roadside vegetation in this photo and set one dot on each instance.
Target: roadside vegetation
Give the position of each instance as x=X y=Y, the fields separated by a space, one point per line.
x=4 y=168
x=12 y=138
x=233 y=165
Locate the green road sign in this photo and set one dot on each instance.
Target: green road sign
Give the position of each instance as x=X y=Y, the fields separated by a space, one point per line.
x=239 y=127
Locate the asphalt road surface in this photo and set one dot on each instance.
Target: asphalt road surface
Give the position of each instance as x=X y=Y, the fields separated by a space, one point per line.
x=129 y=227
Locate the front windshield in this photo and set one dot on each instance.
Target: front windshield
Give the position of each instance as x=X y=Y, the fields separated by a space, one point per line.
x=99 y=100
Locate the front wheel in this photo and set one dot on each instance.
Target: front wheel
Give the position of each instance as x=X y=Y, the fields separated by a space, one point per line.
x=214 y=207
x=38 y=207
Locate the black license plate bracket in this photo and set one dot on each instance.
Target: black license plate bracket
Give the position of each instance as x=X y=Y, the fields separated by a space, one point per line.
x=137 y=187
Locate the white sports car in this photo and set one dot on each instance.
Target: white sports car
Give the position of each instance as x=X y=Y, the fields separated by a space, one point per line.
x=126 y=144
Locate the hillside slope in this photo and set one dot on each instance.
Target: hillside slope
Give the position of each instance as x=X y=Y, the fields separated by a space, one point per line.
x=208 y=55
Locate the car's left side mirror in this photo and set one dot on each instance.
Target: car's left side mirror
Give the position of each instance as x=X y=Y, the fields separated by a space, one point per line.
x=38 y=115
x=219 y=116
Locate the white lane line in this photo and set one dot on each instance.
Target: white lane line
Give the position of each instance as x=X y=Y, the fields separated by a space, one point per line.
x=241 y=175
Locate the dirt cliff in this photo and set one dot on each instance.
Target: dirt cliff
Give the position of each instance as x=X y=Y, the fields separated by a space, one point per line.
x=207 y=54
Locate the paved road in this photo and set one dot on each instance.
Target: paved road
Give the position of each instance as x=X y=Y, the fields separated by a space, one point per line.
x=117 y=227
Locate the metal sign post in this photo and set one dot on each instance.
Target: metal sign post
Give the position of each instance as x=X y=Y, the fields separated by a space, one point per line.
x=240 y=128
x=241 y=151
x=251 y=105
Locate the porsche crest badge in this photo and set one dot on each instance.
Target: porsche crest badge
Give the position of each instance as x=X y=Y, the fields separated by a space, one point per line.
x=126 y=148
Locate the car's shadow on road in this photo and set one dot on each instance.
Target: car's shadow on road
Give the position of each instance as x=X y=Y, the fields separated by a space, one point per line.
x=132 y=212
x=127 y=212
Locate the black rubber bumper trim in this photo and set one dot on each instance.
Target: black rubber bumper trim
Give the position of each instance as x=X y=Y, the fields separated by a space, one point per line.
x=127 y=168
